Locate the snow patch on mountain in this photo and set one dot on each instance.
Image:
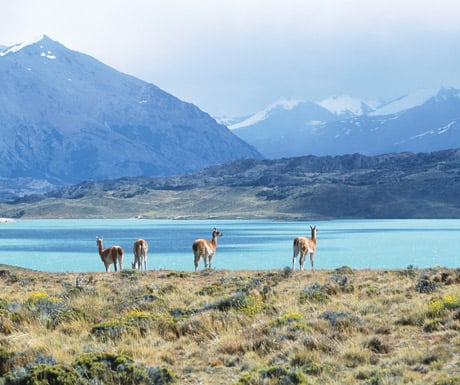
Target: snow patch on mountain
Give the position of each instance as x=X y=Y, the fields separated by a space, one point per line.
x=343 y=104
x=48 y=55
x=285 y=104
x=438 y=131
x=411 y=100
x=18 y=47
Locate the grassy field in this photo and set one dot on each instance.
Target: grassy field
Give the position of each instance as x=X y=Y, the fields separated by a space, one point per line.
x=338 y=326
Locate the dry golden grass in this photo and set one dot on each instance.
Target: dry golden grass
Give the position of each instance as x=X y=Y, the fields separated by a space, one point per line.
x=242 y=327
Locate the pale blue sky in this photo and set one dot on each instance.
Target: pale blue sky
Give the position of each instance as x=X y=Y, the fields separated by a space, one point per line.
x=234 y=57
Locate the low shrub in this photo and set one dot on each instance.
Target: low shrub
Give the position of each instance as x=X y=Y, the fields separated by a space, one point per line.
x=292 y=321
x=315 y=368
x=139 y=320
x=130 y=275
x=287 y=272
x=356 y=358
x=88 y=369
x=110 y=331
x=342 y=320
x=343 y=282
x=273 y=375
x=165 y=324
x=377 y=345
x=344 y=270
x=42 y=374
x=5 y=361
x=242 y=303
x=437 y=307
x=210 y=290
x=117 y=369
x=369 y=289
x=137 y=323
x=425 y=285
x=448 y=380
x=167 y=289
x=314 y=293
x=50 y=310
x=61 y=314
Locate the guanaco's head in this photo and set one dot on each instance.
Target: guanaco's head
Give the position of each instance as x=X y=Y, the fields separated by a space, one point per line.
x=313 y=231
x=98 y=240
x=216 y=233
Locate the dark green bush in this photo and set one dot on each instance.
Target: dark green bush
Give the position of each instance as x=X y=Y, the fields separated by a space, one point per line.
x=314 y=293
x=5 y=358
x=111 y=330
x=274 y=375
x=43 y=374
x=240 y=302
x=210 y=290
x=119 y=369
x=425 y=285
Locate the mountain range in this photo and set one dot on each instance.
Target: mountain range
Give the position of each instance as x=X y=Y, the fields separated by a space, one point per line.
x=419 y=122
x=66 y=117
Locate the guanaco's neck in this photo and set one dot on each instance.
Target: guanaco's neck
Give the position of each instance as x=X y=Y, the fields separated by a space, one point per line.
x=99 y=244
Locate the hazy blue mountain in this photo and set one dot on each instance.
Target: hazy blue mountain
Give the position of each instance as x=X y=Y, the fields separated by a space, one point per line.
x=66 y=117
x=281 y=129
x=417 y=123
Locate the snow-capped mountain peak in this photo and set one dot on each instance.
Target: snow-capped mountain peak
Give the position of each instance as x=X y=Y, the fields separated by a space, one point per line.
x=405 y=102
x=285 y=104
x=422 y=121
x=345 y=104
x=19 y=46
x=67 y=117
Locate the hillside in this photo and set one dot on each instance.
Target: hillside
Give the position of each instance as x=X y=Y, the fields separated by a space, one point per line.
x=66 y=117
x=341 y=327
x=401 y=185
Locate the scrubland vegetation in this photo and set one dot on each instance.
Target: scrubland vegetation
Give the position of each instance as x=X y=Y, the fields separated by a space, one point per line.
x=338 y=326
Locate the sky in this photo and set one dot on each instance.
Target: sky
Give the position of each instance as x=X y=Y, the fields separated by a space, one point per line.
x=235 y=57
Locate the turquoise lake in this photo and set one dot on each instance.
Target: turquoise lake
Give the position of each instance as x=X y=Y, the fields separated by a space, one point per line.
x=70 y=245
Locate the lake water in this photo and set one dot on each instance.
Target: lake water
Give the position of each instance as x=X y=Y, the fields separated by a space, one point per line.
x=70 y=245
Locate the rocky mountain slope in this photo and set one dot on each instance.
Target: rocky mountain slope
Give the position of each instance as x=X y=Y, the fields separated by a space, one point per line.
x=417 y=123
x=65 y=117
x=399 y=185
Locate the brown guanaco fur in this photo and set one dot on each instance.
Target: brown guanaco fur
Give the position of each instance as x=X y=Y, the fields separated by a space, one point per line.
x=140 y=250
x=111 y=255
x=206 y=249
x=305 y=246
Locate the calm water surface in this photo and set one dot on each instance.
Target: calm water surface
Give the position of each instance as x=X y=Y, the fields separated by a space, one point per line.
x=70 y=245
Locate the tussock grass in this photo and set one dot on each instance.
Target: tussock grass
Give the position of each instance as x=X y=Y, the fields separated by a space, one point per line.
x=231 y=327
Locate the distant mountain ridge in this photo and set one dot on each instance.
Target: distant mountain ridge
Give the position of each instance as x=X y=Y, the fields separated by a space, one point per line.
x=422 y=121
x=66 y=117
x=399 y=185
